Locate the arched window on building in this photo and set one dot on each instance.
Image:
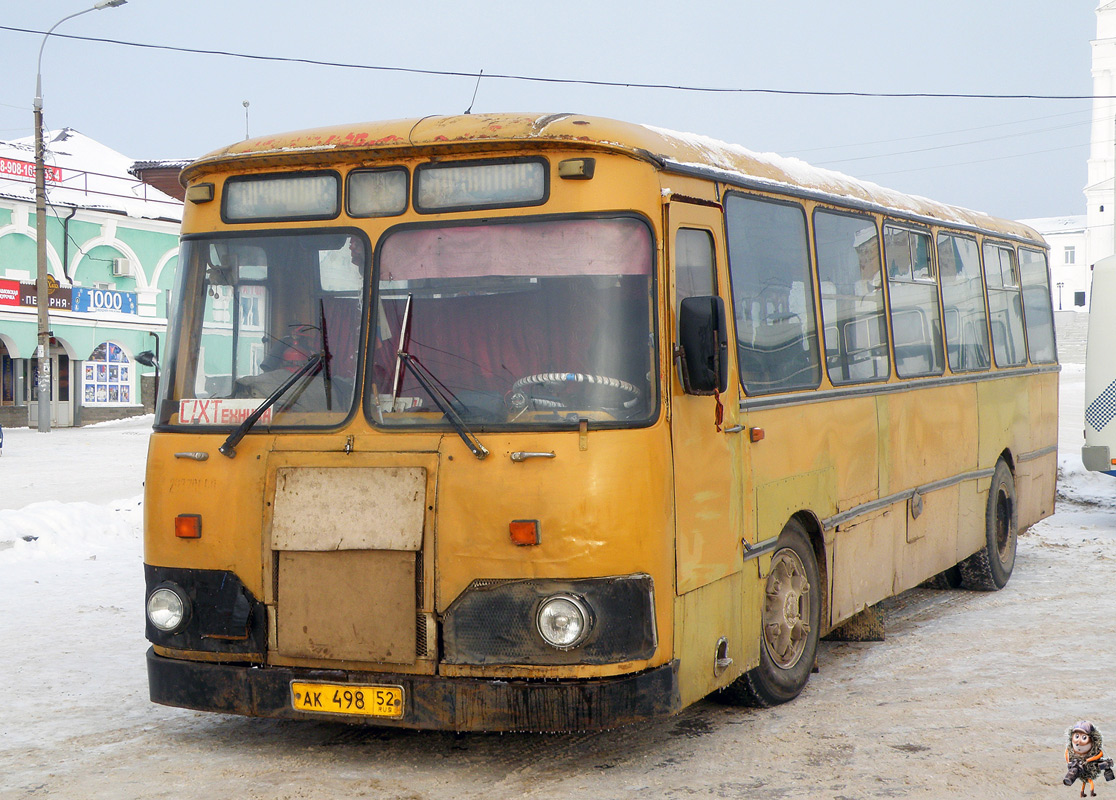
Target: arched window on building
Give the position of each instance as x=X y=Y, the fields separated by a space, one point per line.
x=107 y=377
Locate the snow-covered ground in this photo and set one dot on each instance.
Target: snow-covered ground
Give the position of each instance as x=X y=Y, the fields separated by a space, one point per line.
x=969 y=696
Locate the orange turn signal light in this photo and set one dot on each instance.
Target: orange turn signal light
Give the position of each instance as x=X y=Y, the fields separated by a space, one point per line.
x=187 y=526
x=524 y=532
x=756 y=434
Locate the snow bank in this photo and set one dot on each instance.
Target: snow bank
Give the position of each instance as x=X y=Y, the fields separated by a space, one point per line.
x=69 y=531
x=1078 y=485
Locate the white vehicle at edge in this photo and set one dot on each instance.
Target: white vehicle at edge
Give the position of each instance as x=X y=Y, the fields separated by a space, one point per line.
x=1099 y=452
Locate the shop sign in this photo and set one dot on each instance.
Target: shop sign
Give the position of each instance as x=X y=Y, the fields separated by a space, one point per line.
x=26 y=169
x=89 y=300
x=61 y=297
x=9 y=293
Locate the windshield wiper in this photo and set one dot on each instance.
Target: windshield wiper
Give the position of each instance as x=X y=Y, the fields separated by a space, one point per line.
x=313 y=364
x=427 y=380
x=326 y=355
x=404 y=343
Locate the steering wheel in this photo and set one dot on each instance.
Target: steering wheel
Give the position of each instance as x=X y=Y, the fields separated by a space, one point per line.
x=520 y=395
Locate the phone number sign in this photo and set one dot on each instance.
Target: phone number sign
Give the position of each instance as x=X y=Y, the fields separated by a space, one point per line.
x=25 y=169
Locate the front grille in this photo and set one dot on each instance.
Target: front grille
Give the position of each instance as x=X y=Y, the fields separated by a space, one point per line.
x=354 y=605
x=421 y=646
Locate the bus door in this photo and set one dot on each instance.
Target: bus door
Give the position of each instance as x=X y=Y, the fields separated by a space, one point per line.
x=710 y=472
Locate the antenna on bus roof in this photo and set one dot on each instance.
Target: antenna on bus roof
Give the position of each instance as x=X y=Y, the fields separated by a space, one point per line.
x=469 y=110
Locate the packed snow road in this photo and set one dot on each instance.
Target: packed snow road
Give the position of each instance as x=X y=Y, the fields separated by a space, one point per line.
x=970 y=694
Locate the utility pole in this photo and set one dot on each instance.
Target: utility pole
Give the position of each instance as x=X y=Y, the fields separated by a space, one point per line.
x=42 y=291
x=42 y=288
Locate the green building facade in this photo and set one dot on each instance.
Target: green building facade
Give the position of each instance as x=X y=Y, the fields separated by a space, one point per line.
x=112 y=250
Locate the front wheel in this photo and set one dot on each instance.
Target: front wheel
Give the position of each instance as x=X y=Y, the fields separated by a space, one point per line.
x=791 y=622
x=989 y=568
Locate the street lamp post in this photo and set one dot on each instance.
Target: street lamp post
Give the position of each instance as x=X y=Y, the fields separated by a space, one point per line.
x=42 y=291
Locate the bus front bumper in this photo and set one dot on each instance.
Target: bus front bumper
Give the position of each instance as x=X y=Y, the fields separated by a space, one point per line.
x=431 y=702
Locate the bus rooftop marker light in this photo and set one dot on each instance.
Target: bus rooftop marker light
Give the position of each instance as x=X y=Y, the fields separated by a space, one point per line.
x=577 y=168
x=200 y=193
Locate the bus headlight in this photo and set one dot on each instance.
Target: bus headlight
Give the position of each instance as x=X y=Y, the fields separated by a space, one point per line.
x=167 y=608
x=563 y=621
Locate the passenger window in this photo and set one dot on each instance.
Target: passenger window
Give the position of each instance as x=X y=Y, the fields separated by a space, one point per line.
x=966 y=323
x=999 y=264
x=897 y=254
x=773 y=296
x=1037 y=309
x=852 y=298
x=915 y=317
x=1005 y=305
x=695 y=265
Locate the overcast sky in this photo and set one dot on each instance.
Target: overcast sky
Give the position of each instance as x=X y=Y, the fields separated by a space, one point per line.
x=1012 y=158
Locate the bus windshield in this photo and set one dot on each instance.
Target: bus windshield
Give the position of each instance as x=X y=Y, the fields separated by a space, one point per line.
x=517 y=323
x=257 y=309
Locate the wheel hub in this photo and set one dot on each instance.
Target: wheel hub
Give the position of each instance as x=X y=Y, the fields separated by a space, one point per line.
x=791 y=615
x=785 y=632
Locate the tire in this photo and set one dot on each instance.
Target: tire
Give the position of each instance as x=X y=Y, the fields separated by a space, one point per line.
x=990 y=567
x=791 y=621
x=946 y=579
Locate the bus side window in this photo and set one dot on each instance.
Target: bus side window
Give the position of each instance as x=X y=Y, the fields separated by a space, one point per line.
x=773 y=295
x=915 y=320
x=852 y=298
x=1038 y=310
x=1005 y=305
x=695 y=266
x=966 y=322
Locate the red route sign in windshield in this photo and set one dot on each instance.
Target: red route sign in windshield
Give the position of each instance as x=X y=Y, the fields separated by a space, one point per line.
x=219 y=411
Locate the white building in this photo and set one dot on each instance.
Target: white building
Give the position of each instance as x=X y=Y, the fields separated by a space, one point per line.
x=1069 y=259
x=1079 y=241
x=1100 y=192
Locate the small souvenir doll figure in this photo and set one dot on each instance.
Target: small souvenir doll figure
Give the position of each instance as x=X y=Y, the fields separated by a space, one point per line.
x=1084 y=757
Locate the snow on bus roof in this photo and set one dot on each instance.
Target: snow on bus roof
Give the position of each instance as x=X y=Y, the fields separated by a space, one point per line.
x=688 y=151
x=787 y=173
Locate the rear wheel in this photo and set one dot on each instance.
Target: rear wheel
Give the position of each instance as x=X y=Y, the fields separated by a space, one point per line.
x=791 y=621
x=990 y=567
x=947 y=579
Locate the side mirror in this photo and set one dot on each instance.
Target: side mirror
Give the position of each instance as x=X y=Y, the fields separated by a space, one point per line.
x=703 y=345
x=147 y=358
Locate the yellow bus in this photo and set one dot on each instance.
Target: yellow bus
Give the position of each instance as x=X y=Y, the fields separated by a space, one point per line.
x=554 y=422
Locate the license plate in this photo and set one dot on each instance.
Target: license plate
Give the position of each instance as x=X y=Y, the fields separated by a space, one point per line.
x=348 y=698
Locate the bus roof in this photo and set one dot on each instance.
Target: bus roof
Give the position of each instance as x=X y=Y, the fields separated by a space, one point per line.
x=670 y=150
